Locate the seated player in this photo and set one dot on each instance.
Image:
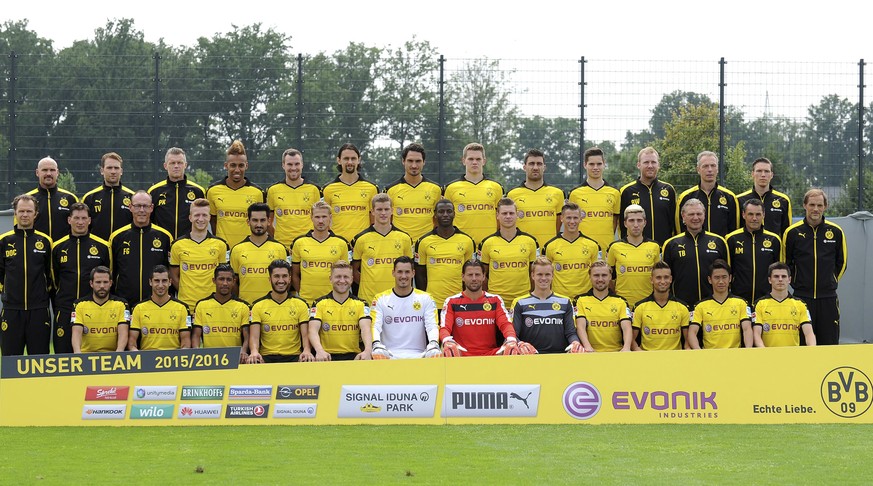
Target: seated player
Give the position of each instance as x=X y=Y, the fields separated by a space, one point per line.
x=162 y=321
x=100 y=321
x=471 y=320
x=279 y=323
x=221 y=320
x=340 y=322
x=542 y=318
x=660 y=321
x=405 y=323
x=724 y=318
x=603 y=319
x=779 y=317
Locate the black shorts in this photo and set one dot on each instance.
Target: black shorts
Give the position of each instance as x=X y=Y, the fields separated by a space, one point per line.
x=343 y=356
x=25 y=329
x=62 y=338
x=280 y=358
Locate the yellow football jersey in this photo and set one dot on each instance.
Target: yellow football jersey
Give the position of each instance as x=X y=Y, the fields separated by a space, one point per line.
x=376 y=253
x=197 y=262
x=781 y=322
x=538 y=210
x=599 y=208
x=292 y=209
x=280 y=324
x=159 y=325
x=221 y=324
x=250 y=262
x=632 y=268
x=100 y=323
x=508 y=264
x=444 y=258
x=351 y=206
x=339 y=323
x=475 y=206
x=316 y=258
x=721 y=321
x=230 y=208
x=604 y=320
x=660 y=327
x=571 y=260
x=413 y=206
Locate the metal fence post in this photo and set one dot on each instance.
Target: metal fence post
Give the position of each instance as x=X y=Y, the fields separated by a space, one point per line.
x=861 y=135
x=156 y=119
x=581 y=115
x=299 y=107
x=12 y=103
x=441 y=122
x=721 y=85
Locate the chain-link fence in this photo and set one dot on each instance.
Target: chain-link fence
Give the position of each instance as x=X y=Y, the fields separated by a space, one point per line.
x=809 y=118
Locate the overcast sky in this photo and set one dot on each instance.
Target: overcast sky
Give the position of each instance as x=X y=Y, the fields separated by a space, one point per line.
x=742 y=30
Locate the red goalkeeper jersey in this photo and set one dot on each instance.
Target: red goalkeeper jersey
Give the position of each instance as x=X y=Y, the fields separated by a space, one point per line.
x=474 y=323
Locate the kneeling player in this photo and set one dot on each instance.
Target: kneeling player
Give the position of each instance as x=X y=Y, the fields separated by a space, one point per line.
x=404 y=318
x=471 y=319
x=724 y=318
x=542 y=318
x=779 y=317
x=603 y=319
x=221 y=320
x=660 y=320
x=339 y=321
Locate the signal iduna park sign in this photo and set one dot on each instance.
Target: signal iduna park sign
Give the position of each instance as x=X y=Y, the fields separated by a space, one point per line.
x=754 y=386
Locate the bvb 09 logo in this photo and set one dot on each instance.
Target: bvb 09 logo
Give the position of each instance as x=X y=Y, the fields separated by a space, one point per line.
x=845 y=391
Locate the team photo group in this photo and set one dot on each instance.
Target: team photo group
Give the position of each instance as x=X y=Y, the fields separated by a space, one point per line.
x=347 y=271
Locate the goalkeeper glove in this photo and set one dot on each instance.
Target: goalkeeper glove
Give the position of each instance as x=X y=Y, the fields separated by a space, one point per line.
x=380 y=351
x=526 y=348
x=433 y=350
x=451 y=349
x=509 y=348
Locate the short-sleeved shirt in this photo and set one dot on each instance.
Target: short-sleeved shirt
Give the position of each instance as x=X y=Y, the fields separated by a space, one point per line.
x=571 y=260
x=196 y=262
x=632 y=268
x=339 y=323
x=221 y=324
x=781 y=322
x=160 y=325
x=280 y=324
x=251 y=263
x=377 y=252
x=538 y=210
x=444 y=259
x=413 y=205
x=721 y=321
x=292 y=209
x=604 y=319
x=231 y=209
x=475 y=206
x=509 y=263
x=316 y=258
x=599 y=208
x=100 y=323
x=660 y=327
x=350 y=204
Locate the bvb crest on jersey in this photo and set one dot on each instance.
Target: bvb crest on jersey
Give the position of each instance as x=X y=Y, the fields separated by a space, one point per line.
x=711 y=245
x=351 y=312
x=665 y=192
x=156 y=243
x=722 y=200
x=416 y=305
x=613 y=309
x=38 y=245
x=766 y=244
x=64 y=203
x=829 y=234
x=486 y=306
x=397 y=245
x=126 y=201
x=674 y=316
x=776 y=203
x=609 y=200
x=93 y=250
x=213 y=252
x=190 y=195
x=556 y=306
x=333 y=250
x=733 y=312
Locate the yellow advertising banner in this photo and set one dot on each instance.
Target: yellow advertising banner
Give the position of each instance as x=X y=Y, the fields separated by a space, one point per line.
x=206 y=387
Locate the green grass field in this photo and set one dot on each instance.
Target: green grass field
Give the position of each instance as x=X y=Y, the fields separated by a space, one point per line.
x=523 y=454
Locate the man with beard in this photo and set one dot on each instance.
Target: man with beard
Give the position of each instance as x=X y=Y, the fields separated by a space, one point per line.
x=109 y=203
x=291 y=200
x=539 y=204
x=221 y=320
x=339 y=322
x=101 y=321
x=660 y=321
x=440 y=254
x=162 y=321
x=603 y=319
x=279 y=324
x=251 y=258
x=229 y=197
x=349 y=194
x=413 y=196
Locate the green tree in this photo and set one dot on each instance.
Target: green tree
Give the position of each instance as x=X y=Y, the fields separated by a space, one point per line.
x=832 y=130
x=558 y=138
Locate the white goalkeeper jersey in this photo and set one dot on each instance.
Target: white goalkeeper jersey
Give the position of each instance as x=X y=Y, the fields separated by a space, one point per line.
x=405 y=325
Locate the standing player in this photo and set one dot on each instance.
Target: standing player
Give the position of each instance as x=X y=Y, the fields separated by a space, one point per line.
x=657 y=198
x=777 y=205
x=405 y=323
x=815 y=251
x=471 y=321
x=572 y=253
x=543 y=319
x=25 y=272
x=73 y=258
x=162 y=321
x=539 y=204
x=349 y=194
x=440 y=254
x=109 y=203
x=752 y=249
x=221 y=320
x=779 y=317
x=375 y=248
x=722 y=213
x=230 y=197
x=251 y=258
x=194 y=257
x=632 y=258
x=691 y=253
x=724 y=318
x=52 y=202
x=278 y=332
x=172 y=197
x=136 y=249
x=291 y=200
x=474 y=195
x=508 y=253
x=313 y=254
x=660 y=321
x=603 y=319
x=601 y=201
x=340 y=322
x=101 y=321
x=413 y=196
